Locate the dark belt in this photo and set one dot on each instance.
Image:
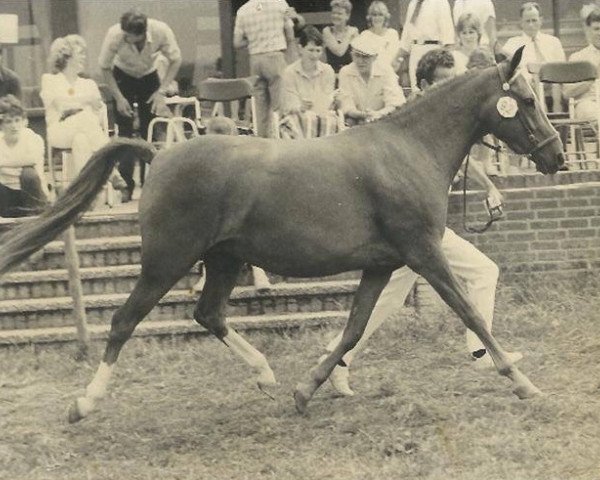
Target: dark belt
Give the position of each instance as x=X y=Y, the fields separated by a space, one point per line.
x=427 y=42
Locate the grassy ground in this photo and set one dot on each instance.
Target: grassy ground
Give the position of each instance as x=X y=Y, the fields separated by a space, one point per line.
x=186 y=410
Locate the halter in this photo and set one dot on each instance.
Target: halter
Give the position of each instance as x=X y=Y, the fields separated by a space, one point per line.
x=537 y=146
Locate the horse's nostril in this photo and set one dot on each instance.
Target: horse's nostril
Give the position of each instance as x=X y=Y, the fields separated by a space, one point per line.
x=561 y=159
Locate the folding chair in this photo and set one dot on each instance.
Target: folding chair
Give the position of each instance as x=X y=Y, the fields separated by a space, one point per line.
x=174 y=128
x=233 y=98
x=333 y=123
x=578 y=130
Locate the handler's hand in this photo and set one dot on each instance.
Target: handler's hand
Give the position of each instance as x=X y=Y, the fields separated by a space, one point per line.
x=494 y=196
x=123 y=107
x=158 y=105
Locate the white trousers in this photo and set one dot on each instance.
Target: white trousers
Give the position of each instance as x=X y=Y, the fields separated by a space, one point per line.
x=477 y=271
x=416 y=52
x=80 y=132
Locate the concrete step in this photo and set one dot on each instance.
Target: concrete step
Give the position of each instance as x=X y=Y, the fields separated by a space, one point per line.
x=176 y=327
x=118 y=222
x=95 y=280
x=281 y=299
x=111 y=279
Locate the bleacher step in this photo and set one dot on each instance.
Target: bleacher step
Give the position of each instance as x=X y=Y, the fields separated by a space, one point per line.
x=244 y=301
x=175 y=327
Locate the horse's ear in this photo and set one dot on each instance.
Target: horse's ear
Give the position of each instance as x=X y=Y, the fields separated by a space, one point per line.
x=515 y=61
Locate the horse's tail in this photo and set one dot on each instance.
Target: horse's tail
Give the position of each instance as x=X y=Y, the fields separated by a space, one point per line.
x=20 y=242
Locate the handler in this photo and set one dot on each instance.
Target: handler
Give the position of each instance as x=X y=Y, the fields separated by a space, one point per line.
x=476 y=270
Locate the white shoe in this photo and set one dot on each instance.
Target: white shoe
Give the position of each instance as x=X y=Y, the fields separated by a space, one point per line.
x=487 y=362
x=261 y=281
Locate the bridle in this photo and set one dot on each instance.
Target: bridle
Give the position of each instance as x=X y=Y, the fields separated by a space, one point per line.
x=495 y=213
x=537 y=146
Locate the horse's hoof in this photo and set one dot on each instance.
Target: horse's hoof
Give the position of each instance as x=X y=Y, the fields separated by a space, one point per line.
x=266 y=378
x=301 y=399
x=527 y=391
x=79 y=409
x=74 y=413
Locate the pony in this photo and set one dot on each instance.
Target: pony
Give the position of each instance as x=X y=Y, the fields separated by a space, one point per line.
x=372 y=198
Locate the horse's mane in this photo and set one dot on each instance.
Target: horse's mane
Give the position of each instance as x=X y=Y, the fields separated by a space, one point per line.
x=426 y=96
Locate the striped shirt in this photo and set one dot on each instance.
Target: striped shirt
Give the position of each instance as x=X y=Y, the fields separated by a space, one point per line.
x=261 y=23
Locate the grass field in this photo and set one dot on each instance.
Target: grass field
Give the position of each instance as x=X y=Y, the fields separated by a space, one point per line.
x=182 y=409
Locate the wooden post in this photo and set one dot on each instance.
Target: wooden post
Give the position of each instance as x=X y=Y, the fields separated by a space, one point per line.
x=556 y=17
x=76 y=291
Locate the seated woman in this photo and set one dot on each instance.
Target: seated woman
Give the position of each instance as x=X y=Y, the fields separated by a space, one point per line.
x=73 y=104
x=22 y=185
x=307 y=90
x=338 y=36
x=368 y=88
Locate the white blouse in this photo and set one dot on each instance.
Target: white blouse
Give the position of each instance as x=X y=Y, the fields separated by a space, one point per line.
x=387 y=44
x=59 y=95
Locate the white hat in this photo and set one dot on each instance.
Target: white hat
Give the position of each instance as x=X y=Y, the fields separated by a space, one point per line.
x=363 y=45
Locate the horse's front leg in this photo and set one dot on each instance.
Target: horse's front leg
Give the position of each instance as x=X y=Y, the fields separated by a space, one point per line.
x=433 y=266
x=371 y=285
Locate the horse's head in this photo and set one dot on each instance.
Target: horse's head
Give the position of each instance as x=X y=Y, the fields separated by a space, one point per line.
x=514 y=114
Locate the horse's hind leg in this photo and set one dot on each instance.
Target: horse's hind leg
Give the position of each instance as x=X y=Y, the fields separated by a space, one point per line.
x=371 y=285
x=221 y=275
x=158 y=275
x=434 y=267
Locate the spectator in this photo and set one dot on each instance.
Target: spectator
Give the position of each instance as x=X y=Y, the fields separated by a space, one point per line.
x=307 y=86
x=583 y=93
x=22 y=184
x=468 y=34
x=481 y=58
x=368 y=89
x=477 y=271
x=74 y=106
x=428 y=26
x=539 y=48
x=385 y=39
x=339 y=35
x=485 y=12
x=265 y=28
x=127 y=61
x=10 y=84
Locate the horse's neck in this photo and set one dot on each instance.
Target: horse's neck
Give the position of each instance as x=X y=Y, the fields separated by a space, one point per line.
x=446 y=121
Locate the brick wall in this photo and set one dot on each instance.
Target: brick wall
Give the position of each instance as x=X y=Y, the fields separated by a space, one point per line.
x=552 y=227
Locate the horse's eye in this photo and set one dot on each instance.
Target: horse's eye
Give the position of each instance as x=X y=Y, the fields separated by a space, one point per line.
x=530 y=102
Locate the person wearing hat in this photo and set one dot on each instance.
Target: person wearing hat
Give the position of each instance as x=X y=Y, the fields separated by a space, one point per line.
x=368 y=88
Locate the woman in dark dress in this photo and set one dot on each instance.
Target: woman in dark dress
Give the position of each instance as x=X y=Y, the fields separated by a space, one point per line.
x=338 y=36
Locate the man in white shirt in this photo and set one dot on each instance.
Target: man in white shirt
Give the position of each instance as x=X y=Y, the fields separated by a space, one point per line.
x=539 y=48
x=22 y=188
x=485 y=12
x=586 y=107
x=428 y=26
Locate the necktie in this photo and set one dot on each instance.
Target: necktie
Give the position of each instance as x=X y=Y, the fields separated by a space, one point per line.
x=416 y=11
x=539 y=56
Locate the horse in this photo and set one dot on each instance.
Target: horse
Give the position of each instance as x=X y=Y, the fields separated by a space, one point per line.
x=372 y=198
